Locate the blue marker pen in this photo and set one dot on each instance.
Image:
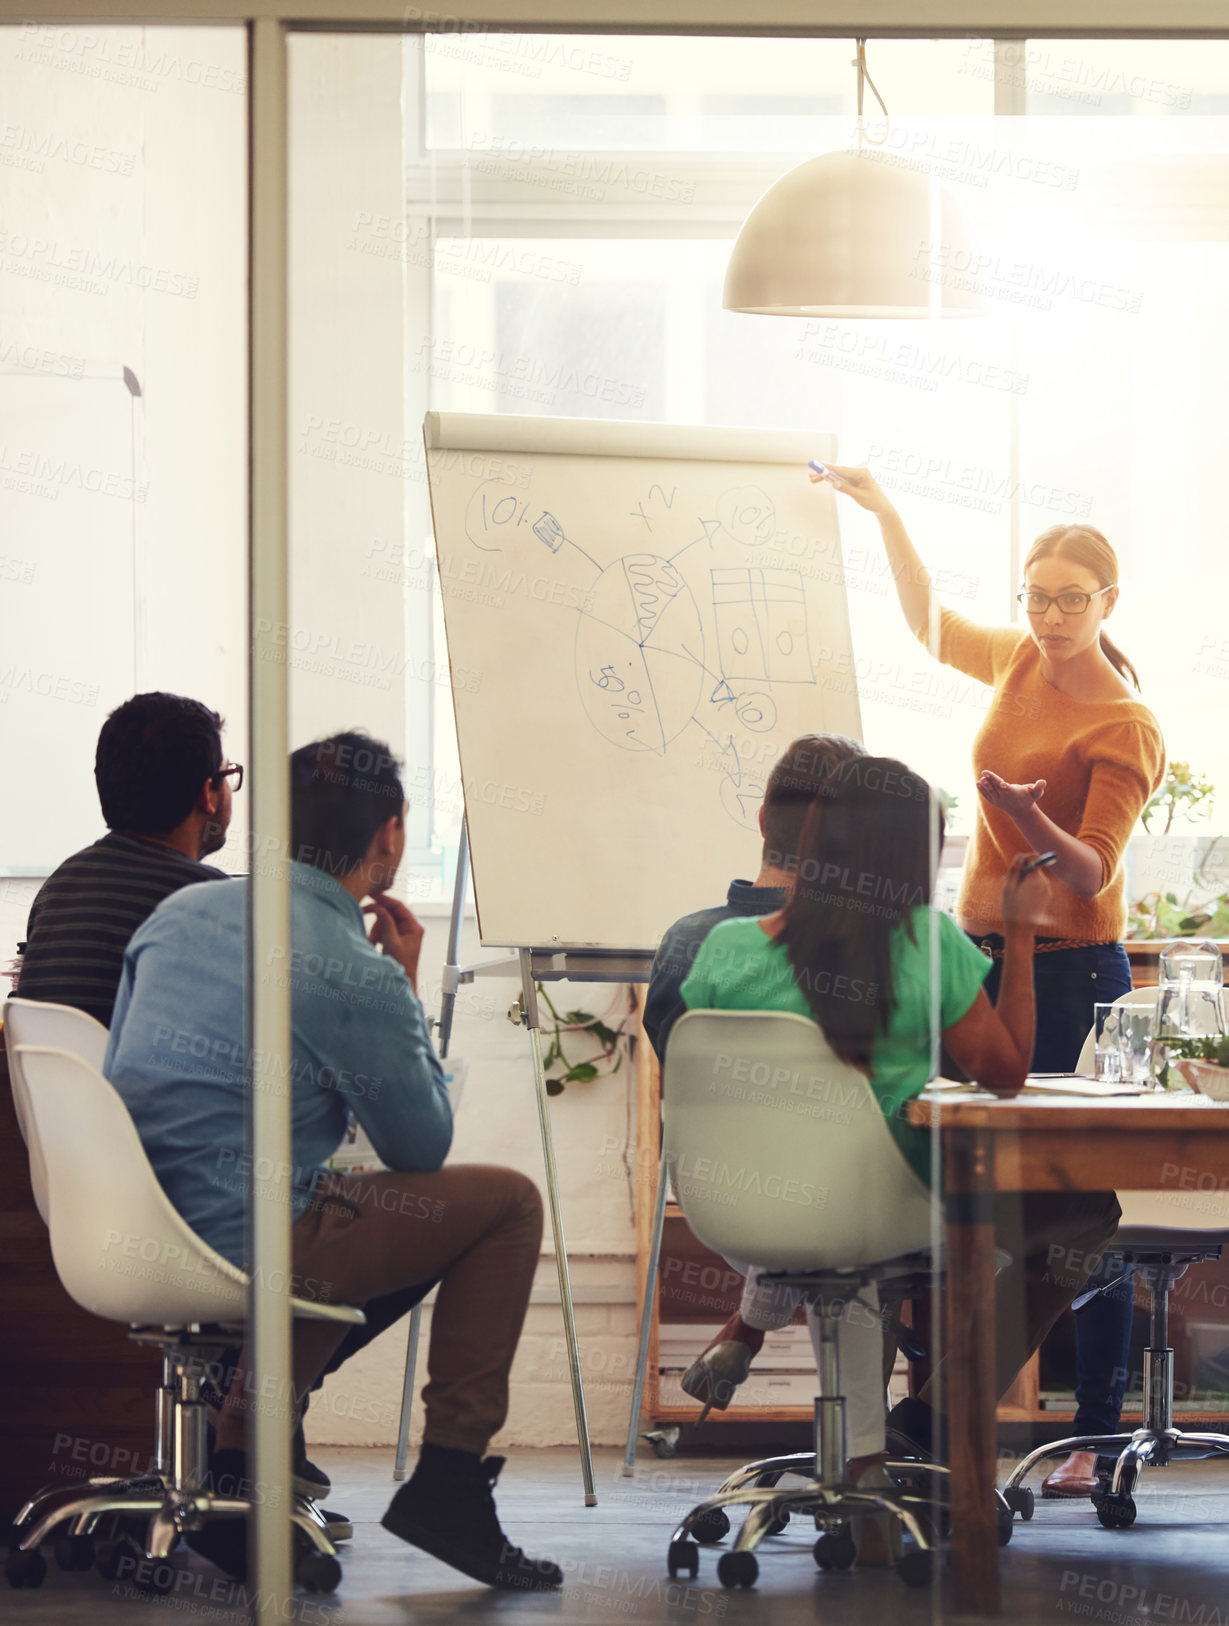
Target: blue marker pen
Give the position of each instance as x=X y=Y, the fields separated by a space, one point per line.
x=820 y=469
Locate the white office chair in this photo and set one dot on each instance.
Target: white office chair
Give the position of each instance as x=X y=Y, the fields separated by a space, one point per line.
x=64 y=1027
x=1160 y=1234
x=829 y=1205
x=124 y=1253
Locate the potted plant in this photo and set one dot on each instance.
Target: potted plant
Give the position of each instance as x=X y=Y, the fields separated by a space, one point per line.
x=1176 y=881
x=1203 y=1063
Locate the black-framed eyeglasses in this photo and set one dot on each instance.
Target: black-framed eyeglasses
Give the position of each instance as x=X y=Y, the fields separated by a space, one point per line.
x=1069 y=603
x=230 y=770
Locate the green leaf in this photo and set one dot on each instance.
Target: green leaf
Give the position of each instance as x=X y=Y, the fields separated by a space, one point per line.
x=577 y=1018
x=581 y=1073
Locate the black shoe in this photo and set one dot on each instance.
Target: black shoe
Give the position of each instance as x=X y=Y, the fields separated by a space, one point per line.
x=223 y=1541
x=308 y=1480
x=340 y=1528
x=448 y=1510
x=915 y=1429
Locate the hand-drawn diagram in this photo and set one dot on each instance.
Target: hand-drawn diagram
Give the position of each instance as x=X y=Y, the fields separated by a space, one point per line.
x=762 y=625
x=638 y=682
x=494 y=514
x=747 y=514
x=668 y=644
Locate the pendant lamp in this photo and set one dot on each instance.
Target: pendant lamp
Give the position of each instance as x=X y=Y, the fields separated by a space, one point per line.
x=857 y=233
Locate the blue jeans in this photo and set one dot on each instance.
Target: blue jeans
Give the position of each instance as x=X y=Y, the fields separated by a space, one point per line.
x=1067 y=984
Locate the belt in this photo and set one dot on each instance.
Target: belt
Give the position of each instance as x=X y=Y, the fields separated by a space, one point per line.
x=1043 y=945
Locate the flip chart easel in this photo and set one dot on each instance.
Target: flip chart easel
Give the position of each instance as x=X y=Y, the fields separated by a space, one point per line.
x=640 y=617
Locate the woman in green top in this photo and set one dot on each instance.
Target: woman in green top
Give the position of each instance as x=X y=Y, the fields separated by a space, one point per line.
x=859 y=949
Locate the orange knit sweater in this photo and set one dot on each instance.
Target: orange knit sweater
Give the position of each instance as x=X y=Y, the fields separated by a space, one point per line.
x=1101 y=760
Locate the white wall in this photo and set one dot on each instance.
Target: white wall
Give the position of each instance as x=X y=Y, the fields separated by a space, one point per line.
x=122 y=244
x=358 y=644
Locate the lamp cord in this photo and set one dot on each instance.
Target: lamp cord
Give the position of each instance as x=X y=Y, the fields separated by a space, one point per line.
x=865 y=79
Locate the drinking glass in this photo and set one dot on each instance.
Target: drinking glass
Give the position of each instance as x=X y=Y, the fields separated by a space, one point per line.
x=1107 y=1054
x=1136 y=1041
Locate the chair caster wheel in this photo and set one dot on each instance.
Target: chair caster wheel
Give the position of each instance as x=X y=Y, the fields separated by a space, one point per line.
x=1005 y=1525
x=318 y=1572
x=780 y=1522
x=710 y=1527
x=74 y=1552
x=835 y=1551
x=684 y=1555
x=917 y=1568
x=1116 y=1512
x=1020 y=1499
x=665 y=1442
x=25 y=1569
x=737 y=1569
x=119 y=1558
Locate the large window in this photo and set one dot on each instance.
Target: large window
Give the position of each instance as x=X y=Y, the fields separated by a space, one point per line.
x=539 y=224
x=582 y=196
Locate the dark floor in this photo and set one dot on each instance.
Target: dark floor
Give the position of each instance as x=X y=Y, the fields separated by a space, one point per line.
x=1172 y=1567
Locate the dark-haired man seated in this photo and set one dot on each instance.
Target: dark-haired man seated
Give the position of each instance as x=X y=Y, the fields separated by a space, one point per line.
x=355 y=1015
x=165 y=788
x=793 y=784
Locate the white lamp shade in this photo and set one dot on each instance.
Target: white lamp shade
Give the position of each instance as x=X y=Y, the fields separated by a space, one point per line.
x=849 y=234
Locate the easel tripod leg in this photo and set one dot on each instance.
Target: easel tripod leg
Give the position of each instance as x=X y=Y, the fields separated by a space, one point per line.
x=646 y=1317
x=530 y=995
x=448 y=1001
x=407 y=1392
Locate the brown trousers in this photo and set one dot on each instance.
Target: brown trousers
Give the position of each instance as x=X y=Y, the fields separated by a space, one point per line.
x=477 y=1228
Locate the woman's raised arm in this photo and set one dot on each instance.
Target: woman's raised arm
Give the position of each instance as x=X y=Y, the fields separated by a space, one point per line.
x=910 y=574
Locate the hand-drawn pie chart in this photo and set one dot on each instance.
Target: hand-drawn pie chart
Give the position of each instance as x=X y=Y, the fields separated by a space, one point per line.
x=639 y=653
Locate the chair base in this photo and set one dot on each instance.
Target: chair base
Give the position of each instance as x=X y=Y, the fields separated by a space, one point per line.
x=1155 y=1444
x=1143 y=1448
x=170 y=1497
x=826 y=1495
x=830 y=1505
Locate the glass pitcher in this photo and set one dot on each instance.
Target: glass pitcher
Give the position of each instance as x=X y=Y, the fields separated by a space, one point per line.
x=1190 y=991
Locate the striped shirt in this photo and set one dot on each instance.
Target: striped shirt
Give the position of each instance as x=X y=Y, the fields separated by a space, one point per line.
x=85 y=912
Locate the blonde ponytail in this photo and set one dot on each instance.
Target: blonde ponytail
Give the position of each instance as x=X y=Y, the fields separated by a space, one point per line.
x=1117 y=659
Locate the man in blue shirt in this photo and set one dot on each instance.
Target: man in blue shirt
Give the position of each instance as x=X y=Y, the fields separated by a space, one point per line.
x=359 y=1043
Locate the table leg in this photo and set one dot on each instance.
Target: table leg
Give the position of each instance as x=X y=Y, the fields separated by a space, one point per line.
x=970 y=1399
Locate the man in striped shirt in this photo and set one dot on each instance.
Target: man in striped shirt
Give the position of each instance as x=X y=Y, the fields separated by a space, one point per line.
x=165 y=787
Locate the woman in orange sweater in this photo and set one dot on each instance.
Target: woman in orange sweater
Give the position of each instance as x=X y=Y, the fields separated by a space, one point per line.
x=1066 y=758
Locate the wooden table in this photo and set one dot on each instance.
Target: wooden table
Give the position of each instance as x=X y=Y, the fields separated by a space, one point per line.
x=1170 y=1142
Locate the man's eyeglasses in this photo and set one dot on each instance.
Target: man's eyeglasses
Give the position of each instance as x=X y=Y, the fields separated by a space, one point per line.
x=1069 y=603
x=232 y=771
